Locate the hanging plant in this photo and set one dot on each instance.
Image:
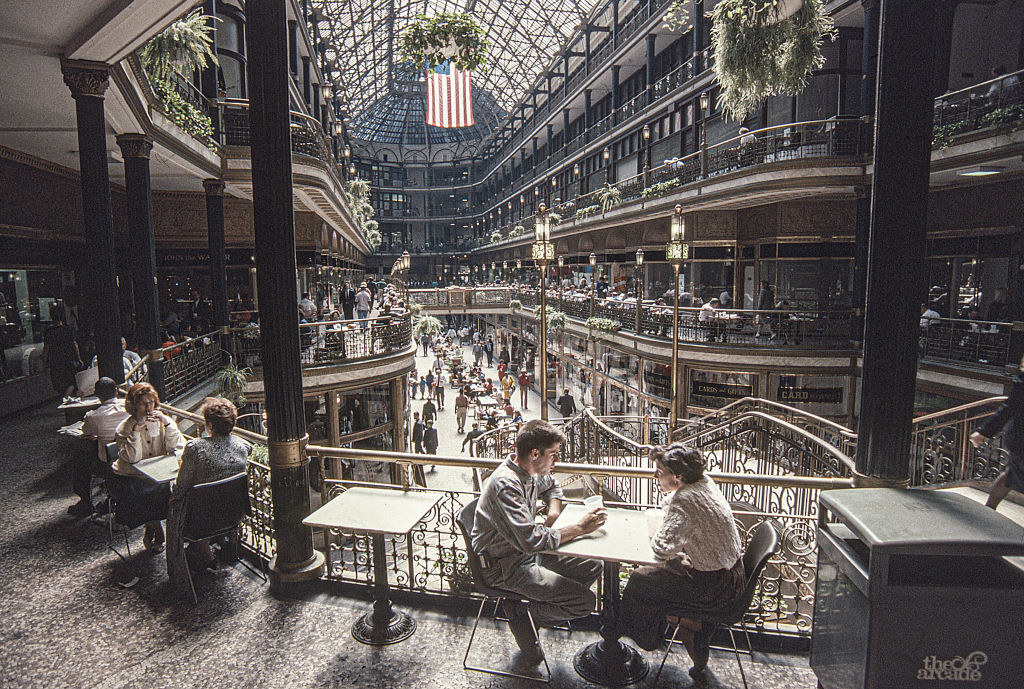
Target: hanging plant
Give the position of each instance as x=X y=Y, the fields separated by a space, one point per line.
x=609 y=197
x=515 y=305
x=557 y=321
x=416 y=309
x=554 y=218
x=677 y=18
x=598 y=325
x=184 y=47
x=495 y=236
x=426 y=325
x=766 y=47
x=430 y=41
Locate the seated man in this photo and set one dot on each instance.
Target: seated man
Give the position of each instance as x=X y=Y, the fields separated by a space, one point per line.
x=100 y=423
x=510 y=542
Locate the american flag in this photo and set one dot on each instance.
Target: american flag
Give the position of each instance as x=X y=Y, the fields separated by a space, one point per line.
x=449 y=97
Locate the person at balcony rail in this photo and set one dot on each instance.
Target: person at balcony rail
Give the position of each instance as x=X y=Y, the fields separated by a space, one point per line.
x=510 y=541
x=699 y=550
x=1001 y=84
x=204 y=459
x=1011 y=412
x=998 y=309
x=929 y=316
x=147 y=432
x=473 y=434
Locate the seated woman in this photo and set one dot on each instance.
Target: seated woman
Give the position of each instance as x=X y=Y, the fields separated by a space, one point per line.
x=217 y=456
x=700 y=550
x=146 y=433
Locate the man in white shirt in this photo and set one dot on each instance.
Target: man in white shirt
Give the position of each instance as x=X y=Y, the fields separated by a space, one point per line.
x=363 y=302
x=708 y=318
x=307 y=306
x=928 y=316
x=101 y=424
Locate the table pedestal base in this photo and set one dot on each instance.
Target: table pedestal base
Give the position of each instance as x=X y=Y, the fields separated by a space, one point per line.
x=369 y=631
x=612 y=664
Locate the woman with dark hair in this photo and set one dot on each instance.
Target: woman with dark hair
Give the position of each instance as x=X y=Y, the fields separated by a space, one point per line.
x=205 y=459
x=146 y=433
x=699 y=548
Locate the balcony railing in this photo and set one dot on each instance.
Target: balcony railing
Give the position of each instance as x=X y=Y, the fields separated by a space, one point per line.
x=965 y=341
x=327 y=343
x=994 y=103
x=941 y=450
x=307 y=137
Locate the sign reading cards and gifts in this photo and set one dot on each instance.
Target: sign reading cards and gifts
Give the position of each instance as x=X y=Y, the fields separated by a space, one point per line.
x=725 y=390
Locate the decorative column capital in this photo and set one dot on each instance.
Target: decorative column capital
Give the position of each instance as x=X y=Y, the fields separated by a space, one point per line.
x=135 y=145
x=213 y=187
x=85 y=79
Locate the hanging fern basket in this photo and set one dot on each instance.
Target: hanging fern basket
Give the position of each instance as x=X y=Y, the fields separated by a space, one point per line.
x=431 y=41
x=764 y=48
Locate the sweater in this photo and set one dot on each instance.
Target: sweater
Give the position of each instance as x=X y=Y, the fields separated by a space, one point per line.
x=698 y=528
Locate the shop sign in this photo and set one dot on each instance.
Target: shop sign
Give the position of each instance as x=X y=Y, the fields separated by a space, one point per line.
x=810 y=395
x=722 y=390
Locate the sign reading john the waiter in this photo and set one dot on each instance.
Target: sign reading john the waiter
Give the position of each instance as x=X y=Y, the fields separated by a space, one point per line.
x=809 y=395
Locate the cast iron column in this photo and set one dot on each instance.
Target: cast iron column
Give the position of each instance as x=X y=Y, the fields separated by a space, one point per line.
x=274 y=235
x=88 y=82
x=135 y=149
x=649 y=77
x=218 y=259
x=899 y=199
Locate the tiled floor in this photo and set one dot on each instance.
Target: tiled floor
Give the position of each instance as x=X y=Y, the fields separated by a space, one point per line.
x=67 y=623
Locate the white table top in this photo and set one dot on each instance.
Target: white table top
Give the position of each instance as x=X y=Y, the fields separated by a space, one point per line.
x=159 y=469
x=74 y=429
x=623 y=538
x=84 y=403
x=374 y=510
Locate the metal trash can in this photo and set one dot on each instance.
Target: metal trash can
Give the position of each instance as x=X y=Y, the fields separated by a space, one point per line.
x=916 y=588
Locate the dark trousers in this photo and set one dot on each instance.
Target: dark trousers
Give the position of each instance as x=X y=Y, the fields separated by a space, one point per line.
x=440 y=397
x=84 y=466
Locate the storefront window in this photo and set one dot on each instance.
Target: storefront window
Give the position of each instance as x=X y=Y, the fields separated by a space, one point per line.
x=707 y=279
x=822 y=284
x=26 y=297
x=658 y=379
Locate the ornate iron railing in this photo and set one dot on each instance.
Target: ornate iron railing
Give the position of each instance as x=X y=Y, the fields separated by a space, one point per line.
x=191 y=363
x=941 y=451
x=964 y=341
x=334 y=342
x=831 y=432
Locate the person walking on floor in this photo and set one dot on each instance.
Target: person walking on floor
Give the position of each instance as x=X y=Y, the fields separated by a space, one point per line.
x=417 y=434
x=363 y=301
x=348 y=301
x=425 y=342
x=461 y=409
x=524 y=385
x=439 y=389
x=429 y=410
x=473 y=434
x=489 y=351
x=1011 y=412
x=566 y=404
x=430 y=441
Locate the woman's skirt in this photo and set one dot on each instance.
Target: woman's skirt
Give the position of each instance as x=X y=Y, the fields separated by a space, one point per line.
x=653 y=592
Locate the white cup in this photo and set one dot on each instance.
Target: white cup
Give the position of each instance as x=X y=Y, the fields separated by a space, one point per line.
x=593 y=502
x=153 y=427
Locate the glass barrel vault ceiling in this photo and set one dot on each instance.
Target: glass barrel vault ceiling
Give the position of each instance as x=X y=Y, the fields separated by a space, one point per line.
x=359 y=40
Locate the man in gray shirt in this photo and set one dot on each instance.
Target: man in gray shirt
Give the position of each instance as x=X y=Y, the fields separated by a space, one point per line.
x=511 y=543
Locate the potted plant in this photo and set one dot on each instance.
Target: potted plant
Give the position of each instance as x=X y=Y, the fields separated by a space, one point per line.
x=609 y=197
x=766 y=47
x=515 y=305
x=230 y=382
x=495 y=236
x=456 y=37
x=557 y=322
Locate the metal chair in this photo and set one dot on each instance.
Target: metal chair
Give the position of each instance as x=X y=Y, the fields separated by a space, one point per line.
x=465 y=521
x=212 y=510
x=763 y=544
x=113 y=511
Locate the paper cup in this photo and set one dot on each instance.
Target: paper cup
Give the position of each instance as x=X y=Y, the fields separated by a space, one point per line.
x=593 y=502
x=153 y=427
